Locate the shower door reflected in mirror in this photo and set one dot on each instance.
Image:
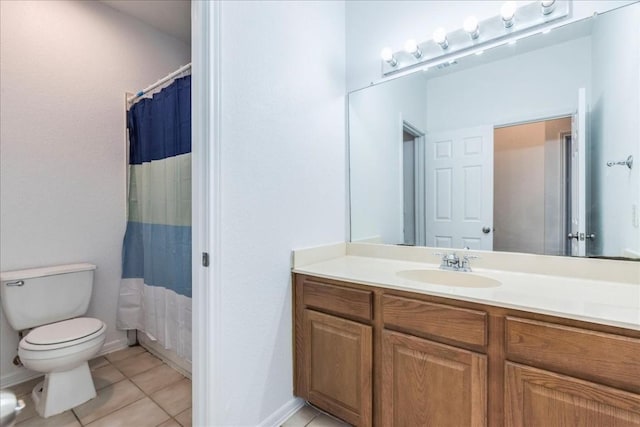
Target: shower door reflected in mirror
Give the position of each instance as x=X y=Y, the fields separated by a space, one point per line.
x=515 y=151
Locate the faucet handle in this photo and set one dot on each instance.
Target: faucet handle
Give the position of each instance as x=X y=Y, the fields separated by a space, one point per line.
x=466 y=265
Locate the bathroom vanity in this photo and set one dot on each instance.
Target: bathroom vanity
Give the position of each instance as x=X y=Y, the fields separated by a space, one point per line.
x=494 y=347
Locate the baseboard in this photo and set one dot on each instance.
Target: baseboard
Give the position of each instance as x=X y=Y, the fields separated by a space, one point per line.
x=19 y=377
x=112 y=346
x=167 y=356
x=283 y=413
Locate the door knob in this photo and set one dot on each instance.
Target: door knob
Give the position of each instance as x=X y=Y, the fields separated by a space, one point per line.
x=486 y=230
x=572 y=236
x=591 y=236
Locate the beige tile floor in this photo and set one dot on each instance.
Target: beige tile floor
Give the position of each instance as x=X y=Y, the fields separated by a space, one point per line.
x=134 y=389
x=308 y=416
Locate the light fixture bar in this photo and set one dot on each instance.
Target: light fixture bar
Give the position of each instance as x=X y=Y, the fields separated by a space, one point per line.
x=509 y=21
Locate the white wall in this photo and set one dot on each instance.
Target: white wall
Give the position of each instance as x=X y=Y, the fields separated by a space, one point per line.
x=375 y=131
x=65 y=66
x=374 y=24
x=532 y=85
x=282 y=185
x=615 y=121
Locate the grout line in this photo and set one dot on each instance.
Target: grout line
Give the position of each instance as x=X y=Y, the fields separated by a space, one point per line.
x=76 y=417
x=311 y=420
x=153 y=400
x=141 y=372
x=114 y=411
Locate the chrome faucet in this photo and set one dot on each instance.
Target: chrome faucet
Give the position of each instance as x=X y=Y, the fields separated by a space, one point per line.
x=453 y=262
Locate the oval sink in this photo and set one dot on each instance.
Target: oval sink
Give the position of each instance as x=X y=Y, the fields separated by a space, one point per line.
x=449 y=278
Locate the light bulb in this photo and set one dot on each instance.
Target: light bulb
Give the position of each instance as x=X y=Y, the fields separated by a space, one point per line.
x=547 y=6
x=411 y=46
x=387 y=55
x=471 y=27
x=440 y=37
x=507 y=12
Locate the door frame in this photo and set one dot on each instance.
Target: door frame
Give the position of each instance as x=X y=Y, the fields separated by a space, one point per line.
x=566 y=138
x=539 y=116
x=420 y=217
x=206 y=219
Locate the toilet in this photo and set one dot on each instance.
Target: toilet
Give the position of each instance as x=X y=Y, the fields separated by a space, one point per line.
x=49 y=303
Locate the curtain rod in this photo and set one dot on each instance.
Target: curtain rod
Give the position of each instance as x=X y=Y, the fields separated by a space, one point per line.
x=159 y=82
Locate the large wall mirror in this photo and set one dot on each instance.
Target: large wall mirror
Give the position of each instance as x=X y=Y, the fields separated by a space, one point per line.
x=522 y=148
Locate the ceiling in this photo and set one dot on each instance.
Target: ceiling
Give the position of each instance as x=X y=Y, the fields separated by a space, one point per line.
x=169 y=16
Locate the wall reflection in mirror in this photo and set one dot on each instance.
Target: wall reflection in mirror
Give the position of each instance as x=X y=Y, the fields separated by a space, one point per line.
x=507 y=150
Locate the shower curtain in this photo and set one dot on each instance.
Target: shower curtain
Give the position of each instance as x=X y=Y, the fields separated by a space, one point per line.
x=155 y=290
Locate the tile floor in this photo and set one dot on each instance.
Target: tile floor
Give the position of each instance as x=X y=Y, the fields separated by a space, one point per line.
x=137 y=389
x=308 y=416
x=134 y=389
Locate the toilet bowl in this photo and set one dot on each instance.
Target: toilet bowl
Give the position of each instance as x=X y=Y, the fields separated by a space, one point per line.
x=49 y=302
x=61 y=351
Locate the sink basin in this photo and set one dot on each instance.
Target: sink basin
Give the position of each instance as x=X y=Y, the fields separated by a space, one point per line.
x=449 y=278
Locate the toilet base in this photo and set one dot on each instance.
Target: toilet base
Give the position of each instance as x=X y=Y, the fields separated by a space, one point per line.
x=61 y=391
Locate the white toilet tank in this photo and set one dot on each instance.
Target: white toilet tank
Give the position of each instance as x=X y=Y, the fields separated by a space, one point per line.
x=39 y=296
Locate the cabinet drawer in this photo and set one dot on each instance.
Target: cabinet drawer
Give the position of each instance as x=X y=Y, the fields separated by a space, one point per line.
x=337 y=299
x=437 y=320
x=606 y=358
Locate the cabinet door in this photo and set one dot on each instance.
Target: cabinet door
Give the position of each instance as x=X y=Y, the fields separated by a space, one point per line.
x=338 y=364
x=534 y=397
x=430 y=384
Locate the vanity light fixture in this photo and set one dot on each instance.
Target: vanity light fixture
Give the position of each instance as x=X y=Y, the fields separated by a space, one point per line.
x=387 y=55
x=548 y=6
x=508 y=12
x=411 y=46
x=471 y=27
x=440 y=37
x=513 y=21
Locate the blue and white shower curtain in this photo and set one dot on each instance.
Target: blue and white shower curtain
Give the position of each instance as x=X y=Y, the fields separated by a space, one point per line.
x=155 y=291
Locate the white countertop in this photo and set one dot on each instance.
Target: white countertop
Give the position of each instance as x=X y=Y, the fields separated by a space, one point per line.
x=598 y=301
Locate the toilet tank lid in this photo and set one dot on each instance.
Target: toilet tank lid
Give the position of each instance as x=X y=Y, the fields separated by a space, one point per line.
x=32 y=273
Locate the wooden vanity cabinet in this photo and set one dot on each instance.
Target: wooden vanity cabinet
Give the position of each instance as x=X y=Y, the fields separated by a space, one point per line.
x=334 y=354
x=388 y=358
x=429 y=375
x=425 y=383
x=536 y=397
x=569 y=376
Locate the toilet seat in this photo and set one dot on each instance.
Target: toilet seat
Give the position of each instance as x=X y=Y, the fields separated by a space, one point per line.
x=66 y=333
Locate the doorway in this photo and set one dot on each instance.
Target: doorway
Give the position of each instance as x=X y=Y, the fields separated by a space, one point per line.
x=413 y=214
x=532 y=187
